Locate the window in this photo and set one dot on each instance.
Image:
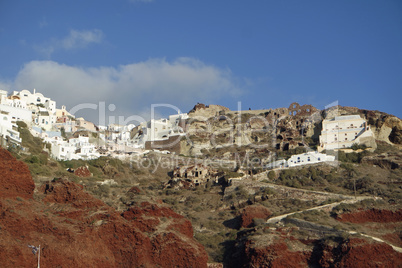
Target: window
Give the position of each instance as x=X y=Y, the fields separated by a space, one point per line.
x=308 y=159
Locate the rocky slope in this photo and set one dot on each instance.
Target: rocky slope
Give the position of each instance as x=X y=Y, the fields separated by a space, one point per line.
x=278 y=247
x=75 y=229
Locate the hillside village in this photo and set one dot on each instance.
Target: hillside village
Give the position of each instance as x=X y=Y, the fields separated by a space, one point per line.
x=56 y=126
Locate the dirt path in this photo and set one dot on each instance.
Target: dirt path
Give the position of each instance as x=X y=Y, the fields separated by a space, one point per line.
x=329 y=206
x=377 y=239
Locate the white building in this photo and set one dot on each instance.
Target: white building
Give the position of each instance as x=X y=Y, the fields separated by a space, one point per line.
x=309 y=158
x=8 y=129
x=302 y=159
x=17 y=114
x=75 y=148
x=343 y=131
x=13 y=101
x=47 y=136
x=36 y=99
x=45 y=119
x=61 y=113
x=160 y=129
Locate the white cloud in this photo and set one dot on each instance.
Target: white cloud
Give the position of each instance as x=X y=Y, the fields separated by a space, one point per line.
x=75 y=40
x=133 y=87
x=81 y=39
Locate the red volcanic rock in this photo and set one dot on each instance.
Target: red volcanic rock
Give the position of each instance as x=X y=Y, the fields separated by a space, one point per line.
x=75 y=229
x=278 y=249
x=372 y=215
x=15 y=178
x=148 y=216
x=66 y=192
x=82 y=172
x=394 y=238
x=134 y=190
x=275 y=255
x=253 y=212
x=357 y=253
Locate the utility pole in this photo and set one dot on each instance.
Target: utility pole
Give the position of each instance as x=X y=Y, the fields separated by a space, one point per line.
x=39 y=257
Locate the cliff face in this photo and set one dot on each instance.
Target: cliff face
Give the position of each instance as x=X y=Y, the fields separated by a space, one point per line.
x=282 y=128
x=75 y=229
x=13 y=177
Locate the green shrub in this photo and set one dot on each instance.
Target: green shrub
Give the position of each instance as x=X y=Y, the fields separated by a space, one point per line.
x=271 y=175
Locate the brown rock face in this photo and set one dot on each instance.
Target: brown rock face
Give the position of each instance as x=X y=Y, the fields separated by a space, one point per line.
x=66 y=192
x=279 y=248
x=372 y=215
x=360 y=253
x=275 y=255
x=75 y=229
x=15 y=178
x=253 y=212
x=82 y=172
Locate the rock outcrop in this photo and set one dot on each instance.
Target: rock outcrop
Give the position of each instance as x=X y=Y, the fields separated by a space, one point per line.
x=372 y=215
x=283 y=129
x=279 y=248
x=13 y=177
x=75 y=229
x=253 y=212
x=384 y=160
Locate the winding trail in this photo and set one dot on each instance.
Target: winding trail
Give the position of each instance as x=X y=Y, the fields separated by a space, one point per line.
x=277 y=219
x=332 y=205
x=377 y=239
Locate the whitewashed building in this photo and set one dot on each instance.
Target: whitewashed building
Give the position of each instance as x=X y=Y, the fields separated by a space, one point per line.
x=309 y=158
x=17 y=114
x=302 y=159
x=343 y=131
x=8 y=129
x=75 y=148
x=45 y=119
x=15 y=107
x=160 y=129
x=36 y=98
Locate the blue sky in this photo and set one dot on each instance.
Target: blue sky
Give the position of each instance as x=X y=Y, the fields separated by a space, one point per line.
x=266 y=54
